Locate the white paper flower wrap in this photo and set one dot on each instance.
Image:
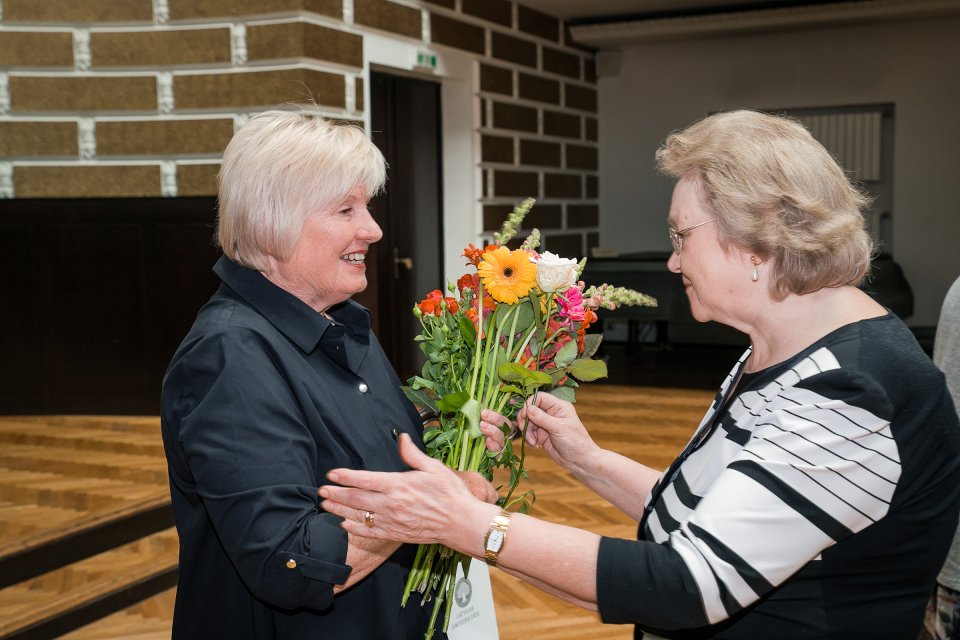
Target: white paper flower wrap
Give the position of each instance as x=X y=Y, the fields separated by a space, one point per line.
x=555 y=273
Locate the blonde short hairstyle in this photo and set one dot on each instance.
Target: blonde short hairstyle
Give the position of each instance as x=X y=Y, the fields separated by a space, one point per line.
x=279 y=168
x=776 y=192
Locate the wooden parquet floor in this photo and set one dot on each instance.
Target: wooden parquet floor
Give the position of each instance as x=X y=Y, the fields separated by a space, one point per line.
x=148 y=620
x=126 y=465
x=60 y=474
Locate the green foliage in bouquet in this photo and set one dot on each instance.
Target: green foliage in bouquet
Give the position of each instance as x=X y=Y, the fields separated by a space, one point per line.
x=514 y=327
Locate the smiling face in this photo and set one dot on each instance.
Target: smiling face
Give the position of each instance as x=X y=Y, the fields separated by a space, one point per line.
x=327 y=265
x=714 y=278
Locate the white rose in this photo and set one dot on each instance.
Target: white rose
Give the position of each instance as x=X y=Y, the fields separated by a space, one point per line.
x=555 y=273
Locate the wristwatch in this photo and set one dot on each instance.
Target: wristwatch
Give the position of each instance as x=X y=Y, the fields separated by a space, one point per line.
x=496 y=536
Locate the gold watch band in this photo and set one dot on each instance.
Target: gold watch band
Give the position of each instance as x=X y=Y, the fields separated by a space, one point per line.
x=496 y=537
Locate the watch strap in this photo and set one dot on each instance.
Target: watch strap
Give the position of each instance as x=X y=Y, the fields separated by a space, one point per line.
x=498 y=526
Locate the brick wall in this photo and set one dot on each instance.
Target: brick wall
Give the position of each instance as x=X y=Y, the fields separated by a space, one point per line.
x=139 y=97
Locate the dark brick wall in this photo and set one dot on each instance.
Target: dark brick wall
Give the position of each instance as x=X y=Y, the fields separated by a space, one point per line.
x=109 y=80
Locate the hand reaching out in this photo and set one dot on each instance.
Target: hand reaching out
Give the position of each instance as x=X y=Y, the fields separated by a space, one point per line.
x=555 y=427
x=418 y=506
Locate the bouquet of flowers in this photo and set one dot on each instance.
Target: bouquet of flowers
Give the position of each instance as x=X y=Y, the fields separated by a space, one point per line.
x=515 y=325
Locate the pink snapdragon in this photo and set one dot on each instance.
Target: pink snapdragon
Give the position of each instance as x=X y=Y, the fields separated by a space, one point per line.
x=571 y=304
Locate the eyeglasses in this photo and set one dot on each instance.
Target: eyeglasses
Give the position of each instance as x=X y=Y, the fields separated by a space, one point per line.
x=676 y=237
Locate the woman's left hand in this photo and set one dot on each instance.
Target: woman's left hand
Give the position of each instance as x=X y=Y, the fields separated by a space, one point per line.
x=417 y=506
x=479 y=487
x=490 y=422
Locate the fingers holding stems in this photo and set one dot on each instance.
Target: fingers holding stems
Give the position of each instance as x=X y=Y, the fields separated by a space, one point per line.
x=555 y=427
x=496 y=428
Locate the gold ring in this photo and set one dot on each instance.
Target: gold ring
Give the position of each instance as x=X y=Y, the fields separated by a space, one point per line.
x=368 y=517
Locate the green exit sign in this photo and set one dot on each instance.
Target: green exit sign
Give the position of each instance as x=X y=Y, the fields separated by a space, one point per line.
x=426 y=59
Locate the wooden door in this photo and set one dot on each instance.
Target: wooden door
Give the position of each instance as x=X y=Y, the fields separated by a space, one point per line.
x=407 y=263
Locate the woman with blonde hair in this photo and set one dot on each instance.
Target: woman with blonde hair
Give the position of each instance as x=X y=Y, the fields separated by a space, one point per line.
x=819 y=494
x=279 y=380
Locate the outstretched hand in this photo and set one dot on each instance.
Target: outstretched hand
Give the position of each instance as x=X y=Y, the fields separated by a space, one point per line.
x=415 y=506
x=555 y=427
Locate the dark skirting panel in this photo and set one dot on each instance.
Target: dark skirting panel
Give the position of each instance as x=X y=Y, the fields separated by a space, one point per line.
x=95 y=295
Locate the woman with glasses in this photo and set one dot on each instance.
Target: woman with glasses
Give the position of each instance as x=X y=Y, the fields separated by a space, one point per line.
x=819 y=494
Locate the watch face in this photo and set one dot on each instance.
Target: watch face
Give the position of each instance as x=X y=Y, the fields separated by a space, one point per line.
x=495 y=541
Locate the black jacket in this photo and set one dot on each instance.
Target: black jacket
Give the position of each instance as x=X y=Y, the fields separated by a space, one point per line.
x=262 y=398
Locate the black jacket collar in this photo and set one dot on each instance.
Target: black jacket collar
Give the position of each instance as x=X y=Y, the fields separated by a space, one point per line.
x=290 y=315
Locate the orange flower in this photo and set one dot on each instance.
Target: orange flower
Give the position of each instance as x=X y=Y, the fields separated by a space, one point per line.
x=527 y=360
x=506 y=274
x=589 y=317
x=452 y=305
x=489 y=304
x=431 y=304
x=470 y=280
x=472 y=254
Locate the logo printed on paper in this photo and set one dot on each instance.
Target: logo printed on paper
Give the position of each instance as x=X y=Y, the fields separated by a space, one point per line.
x=462 y=592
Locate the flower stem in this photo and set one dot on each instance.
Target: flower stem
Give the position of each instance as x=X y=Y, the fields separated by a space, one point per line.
x=464 y=450
x=526 y=420
x=476 y=355
x=523 y=453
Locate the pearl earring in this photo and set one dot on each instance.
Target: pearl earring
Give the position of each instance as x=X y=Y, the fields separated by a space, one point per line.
x=754 y=275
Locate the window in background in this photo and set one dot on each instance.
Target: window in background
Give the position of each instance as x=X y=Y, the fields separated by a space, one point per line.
x=861 y=139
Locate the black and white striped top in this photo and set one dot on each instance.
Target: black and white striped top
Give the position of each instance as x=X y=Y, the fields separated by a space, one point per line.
x=816 y=502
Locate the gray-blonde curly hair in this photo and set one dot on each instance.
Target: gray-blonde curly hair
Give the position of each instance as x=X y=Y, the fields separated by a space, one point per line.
x=776 y=192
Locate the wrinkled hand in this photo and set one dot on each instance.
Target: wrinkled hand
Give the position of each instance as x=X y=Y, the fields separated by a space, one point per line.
x=479 y=487
x=490 y=422
x=416 y=506
x=555 y=427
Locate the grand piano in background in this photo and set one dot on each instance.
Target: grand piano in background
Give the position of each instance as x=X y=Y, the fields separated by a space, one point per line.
x=647 y=272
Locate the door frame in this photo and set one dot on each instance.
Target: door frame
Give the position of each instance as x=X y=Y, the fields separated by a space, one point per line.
x=460 y=113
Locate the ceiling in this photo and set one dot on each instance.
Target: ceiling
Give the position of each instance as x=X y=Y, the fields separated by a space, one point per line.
x=588 y=11
x=610 y=24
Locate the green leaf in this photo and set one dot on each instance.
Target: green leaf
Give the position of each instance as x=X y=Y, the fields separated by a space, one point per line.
x=529 y=380
x=536 y=340
x=591 y=342
x=467 y=330
x=535 y=307
x=566 y=354
x=588 y=370
x=511 y=371
x=564 y=393
x=453 y=401
x=471 y=412
x=525 y=315
x=420 y=398
x=417 y=382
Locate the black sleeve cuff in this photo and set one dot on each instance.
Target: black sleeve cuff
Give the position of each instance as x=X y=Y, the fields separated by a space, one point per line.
x=645 y=583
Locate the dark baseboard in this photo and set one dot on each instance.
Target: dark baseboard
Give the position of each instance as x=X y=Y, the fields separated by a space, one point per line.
x=70 y=548
x=57 y=626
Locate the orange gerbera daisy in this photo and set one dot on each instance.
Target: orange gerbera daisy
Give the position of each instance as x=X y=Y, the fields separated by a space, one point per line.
x=506 y=274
